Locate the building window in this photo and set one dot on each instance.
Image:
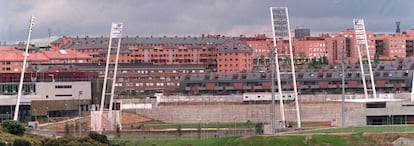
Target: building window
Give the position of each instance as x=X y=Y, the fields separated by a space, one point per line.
x=63 y=86
x=63 y=95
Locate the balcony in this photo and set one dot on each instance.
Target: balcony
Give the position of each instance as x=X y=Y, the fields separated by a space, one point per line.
x=314 y=86
x=332 y=86
x=218 y=88
x=247 y=87
x=257 y=87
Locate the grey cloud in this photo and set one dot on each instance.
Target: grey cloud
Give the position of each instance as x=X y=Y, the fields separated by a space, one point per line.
x=194 y=17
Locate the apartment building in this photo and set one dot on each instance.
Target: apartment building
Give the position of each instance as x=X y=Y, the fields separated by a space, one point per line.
x=12 y=58
x=389 y=78
x=133 y=79
x=46 y=94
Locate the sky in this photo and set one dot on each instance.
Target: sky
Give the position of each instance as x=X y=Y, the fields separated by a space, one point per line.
x=194 y=17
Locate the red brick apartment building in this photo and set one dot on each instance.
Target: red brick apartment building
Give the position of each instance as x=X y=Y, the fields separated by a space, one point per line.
x=12 y=58
x=205 y=50
x=219 y=53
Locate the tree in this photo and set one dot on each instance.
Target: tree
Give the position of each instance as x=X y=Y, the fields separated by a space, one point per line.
x=199 y=131
x=259 y=128
x=71 y=141
x=376 y=58
x=21 y=142
x=118 y=131
x=67 y=129
x=179 y=130
x=98 y=137
x=13 y=127
x=2 y=143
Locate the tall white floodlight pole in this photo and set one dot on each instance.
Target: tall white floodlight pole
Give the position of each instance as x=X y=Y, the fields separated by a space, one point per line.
x=118 y=32
x=116 y=29
x=292 y=64
x=26 y=53
x=361 y=41
x=412 y=88
x=279 y=29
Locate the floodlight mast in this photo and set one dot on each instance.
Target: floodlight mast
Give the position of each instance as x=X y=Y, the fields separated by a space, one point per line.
x=361 y=41
x=276 y=60
x=116 y=32
x=292 y=65
x=19 y=94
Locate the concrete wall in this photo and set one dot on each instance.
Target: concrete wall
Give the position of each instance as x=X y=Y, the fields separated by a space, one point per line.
x=230 y=113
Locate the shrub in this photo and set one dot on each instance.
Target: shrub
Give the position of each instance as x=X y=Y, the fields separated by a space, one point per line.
x=98 y=137
x=67 y=129
x=73 y=141
x=13 y=127
x=179 y=131
x=21 y=142
x=259 y=128
x=118 y=131
x=2 y=143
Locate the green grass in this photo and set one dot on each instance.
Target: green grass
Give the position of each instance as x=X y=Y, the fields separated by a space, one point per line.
x=227 y=141
x=327 y=140
x=284 y=140
x=331 y=136
x=361 y=129
x=7 y=137
x=211 y=125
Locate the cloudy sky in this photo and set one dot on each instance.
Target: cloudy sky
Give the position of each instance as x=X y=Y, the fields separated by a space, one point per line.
x=194 y=17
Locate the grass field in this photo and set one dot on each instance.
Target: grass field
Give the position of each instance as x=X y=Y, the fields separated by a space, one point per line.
x=381 y=128
x=364 y=135
x=291 y=140
x=210 y=125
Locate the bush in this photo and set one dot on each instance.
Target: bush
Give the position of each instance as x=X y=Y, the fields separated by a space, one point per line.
x=13 y=127
x=2 y=143
x=118 y=131
x=259 y=128
x=67 y=129
x=21 y=142
x=179 y=131
x=98 y=137
x=73 y=141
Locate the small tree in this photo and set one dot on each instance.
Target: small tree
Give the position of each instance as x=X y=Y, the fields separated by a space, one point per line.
x=13 y=127
x=98 y=137
x=67 y=129
x=21 y=142
x=259 y=128
x=118 y=131
x=199 y=131
x=179 y=130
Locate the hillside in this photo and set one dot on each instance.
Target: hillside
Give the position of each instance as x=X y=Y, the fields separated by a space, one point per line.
x=9 y=138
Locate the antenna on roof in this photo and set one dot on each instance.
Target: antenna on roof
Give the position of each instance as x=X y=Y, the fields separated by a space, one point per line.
x=49 y=31
x=398 y=27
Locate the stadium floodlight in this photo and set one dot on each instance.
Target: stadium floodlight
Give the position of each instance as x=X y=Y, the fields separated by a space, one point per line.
x=26 y=53
x=281 y=30
x=361 y=42
x=116 y=33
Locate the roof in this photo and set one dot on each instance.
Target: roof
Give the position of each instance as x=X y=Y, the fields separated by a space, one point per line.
x=44 y=42
x=145 y=42
x=17 y=55
x=65 y=54
x=234 y=45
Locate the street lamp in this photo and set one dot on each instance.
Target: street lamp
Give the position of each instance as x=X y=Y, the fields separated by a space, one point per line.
x=80 y=121
x=66 y=111
x=47 y=115
x=35 y=114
